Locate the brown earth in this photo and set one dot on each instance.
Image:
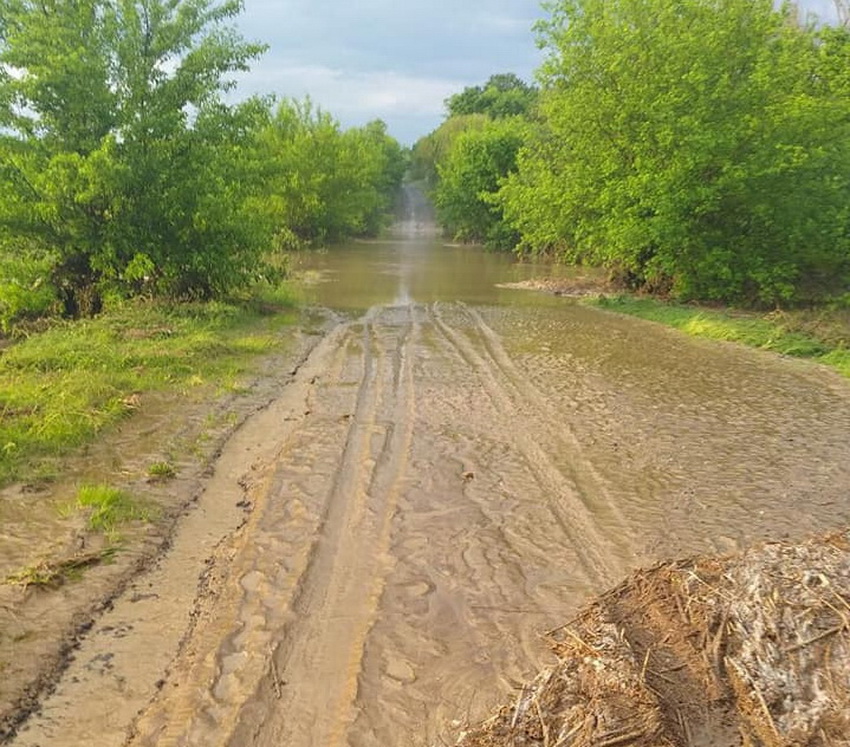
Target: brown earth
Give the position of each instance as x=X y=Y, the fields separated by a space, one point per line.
x=578 y=286
x=748 y=649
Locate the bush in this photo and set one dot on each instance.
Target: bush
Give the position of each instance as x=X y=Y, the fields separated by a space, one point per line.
x=25 y=293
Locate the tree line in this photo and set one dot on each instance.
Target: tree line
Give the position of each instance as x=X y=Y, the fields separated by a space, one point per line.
x=123 y=171
x=695 y=148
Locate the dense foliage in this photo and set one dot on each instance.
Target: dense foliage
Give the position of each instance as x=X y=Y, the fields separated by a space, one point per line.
x=469 y=179
x=324 y=183
x=503 y=95
x=466 y=158
x=700 y=147
x=122 y=171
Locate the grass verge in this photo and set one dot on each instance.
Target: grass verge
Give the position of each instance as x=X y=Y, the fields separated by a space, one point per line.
x=822 y=336
x=61 y=387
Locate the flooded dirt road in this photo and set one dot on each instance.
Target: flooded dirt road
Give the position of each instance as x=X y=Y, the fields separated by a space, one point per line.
x=454 y=470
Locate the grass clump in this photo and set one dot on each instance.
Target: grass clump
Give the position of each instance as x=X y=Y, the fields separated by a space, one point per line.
x=162 y=471
x=110 y=507
x=53 y=573
x=61 y=387
x=822 y=336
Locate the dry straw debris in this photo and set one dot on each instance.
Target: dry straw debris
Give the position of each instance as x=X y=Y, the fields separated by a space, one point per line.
x=748 y=650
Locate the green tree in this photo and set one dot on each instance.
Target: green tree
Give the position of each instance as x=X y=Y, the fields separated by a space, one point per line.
x=696 y=146
x=431 y=150
x=324 y=183
x=116 y=154
x=503 y=95
x=470 y=176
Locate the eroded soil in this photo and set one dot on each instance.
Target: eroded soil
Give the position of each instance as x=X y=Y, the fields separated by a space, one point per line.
x=376 y=554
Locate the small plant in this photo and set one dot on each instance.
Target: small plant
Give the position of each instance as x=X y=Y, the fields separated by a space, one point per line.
x=162 y=471
x=53 y=573
x=110 y=507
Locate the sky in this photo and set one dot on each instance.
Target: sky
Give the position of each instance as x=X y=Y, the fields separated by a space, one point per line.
x=396 y=60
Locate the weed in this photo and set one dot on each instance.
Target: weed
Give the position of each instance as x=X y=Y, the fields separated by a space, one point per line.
x=60 y=388
x=162 y=471
x=52 y=573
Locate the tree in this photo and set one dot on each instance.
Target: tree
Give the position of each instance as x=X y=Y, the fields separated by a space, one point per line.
x=503 y=95
x=323 y=183
x=432 y=150
x=693 y=146
x=470 y=176
x=118 y=158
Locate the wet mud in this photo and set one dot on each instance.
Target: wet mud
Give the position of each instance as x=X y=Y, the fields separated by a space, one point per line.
x=455 y=469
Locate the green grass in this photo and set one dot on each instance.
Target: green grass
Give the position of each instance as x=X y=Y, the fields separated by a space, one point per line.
x=60 y=388
x=822 y=336
x=109 y=508
x=162 y=471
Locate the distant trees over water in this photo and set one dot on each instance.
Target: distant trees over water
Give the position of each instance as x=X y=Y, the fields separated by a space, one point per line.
x=123 y=172
x=698 y=148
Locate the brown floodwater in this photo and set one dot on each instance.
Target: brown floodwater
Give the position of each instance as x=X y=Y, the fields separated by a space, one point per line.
x=456 y=468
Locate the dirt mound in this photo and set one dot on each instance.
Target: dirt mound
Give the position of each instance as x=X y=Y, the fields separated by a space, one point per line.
x=751 y=649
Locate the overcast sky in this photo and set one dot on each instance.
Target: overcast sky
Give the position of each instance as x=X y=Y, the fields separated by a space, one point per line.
x=396 y=60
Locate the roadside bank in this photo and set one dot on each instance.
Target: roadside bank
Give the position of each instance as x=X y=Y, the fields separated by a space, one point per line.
x=821 y=335
x=167 y=389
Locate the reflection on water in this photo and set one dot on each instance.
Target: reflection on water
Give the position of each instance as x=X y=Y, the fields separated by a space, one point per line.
x=357 y=276
x=412 y=264
x=721 y=441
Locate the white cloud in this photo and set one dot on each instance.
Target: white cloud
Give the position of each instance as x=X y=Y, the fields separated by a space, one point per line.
x=352 y=92
x=411 y=105
x=394 y=60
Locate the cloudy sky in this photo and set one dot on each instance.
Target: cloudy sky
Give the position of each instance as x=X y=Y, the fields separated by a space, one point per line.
x=391 y=59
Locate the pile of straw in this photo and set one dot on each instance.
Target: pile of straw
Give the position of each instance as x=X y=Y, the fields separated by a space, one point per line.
x=751 y=649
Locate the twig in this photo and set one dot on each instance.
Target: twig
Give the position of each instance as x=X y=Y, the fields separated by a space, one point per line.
x=575 y=637
x=659 y=675
x=686 y=729
x=622 y=739
x=825 y=634
x=645 y=662
x=759 y=697
x=275 y=675
x=569 y=735
x=543 y=725
x=516 y=708
x=717 y=643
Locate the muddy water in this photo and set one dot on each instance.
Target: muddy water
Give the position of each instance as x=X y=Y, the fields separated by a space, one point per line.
x=462 y=467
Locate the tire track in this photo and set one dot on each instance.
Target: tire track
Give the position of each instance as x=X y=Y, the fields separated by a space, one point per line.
x=565 y=502
x=283 y=644
x=342 y=589
x=224 y=654
x=525 y=390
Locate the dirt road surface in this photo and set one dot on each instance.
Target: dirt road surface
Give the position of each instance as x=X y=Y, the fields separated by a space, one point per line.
x=377 y=553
